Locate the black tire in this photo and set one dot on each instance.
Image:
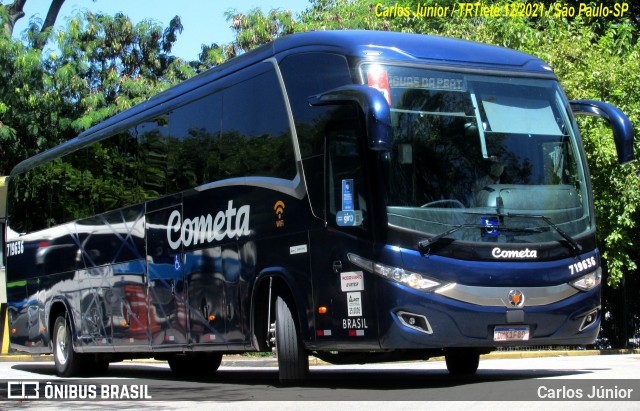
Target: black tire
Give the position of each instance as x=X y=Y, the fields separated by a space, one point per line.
x=68 y=362
x=196 y=365
x=293 y=360
x=462 y=362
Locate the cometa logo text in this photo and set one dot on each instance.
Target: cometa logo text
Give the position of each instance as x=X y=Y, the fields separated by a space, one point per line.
x=526 y=253
x=206 y=229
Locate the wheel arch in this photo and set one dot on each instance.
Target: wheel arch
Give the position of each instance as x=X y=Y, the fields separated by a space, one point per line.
x=61 y=307
x=283 y=284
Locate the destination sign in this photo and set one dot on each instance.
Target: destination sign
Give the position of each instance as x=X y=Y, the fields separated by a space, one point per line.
x=435 y=83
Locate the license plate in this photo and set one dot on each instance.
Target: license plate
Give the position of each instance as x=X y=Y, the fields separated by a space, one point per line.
x=511 y=333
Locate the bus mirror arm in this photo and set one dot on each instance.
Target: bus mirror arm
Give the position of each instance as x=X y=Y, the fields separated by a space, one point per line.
x=374 y=105
x=623 y=131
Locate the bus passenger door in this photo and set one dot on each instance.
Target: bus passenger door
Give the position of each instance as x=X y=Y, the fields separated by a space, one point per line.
x=343 y=289
x=168 y=310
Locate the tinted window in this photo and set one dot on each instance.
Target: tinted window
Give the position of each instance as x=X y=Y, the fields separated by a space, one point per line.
x=347 y=189
x=89 y=181
x=193 y=155
x=152 y=137
x=306 y=75
x=256 y=137
x=180 y=149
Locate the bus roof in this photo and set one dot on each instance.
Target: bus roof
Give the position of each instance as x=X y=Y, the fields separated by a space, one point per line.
x=374 y=45
x=414 y=47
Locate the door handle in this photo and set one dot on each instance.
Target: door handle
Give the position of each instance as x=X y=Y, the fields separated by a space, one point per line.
x=337 y=267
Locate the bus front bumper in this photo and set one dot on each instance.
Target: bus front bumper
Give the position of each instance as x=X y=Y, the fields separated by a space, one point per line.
x=416 y=320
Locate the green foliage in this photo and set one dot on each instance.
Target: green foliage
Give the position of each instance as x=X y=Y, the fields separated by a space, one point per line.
x=105 y=65
x=108 y=64
x=27 y=105
x=258 y=28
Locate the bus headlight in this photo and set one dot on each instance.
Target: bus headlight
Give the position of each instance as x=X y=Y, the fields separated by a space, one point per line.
x=396 y=274
x=589 y=281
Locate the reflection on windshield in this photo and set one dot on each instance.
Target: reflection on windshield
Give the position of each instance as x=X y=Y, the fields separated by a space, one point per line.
x=469 y=148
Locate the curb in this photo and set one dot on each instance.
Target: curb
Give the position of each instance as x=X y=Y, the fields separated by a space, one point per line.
x=4 y=329
x=559 y=353
x=235 y=360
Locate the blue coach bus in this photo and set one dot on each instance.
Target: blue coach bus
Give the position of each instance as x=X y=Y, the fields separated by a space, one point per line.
x=357 y=196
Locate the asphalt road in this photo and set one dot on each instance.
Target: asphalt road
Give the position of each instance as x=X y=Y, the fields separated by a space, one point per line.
x=564 y=382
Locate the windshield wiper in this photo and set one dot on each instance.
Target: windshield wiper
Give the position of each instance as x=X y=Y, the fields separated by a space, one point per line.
x=570 y=240
x=423 y=246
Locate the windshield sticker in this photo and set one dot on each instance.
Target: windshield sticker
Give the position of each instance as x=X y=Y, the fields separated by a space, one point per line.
x=491 y=226
x=349 y=218
x=434 y=83
x=347 y=194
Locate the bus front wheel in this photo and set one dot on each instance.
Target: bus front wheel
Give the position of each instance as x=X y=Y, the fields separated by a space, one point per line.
x=293 y=360
x=68 y=362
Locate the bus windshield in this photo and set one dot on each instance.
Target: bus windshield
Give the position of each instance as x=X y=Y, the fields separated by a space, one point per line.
x=481 y=158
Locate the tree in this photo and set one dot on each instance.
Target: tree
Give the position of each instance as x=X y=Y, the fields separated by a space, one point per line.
x=27 y=106
x=109 y=64
x=105 y=65
x=40 y=35
x=12 y=13
x=252 y=29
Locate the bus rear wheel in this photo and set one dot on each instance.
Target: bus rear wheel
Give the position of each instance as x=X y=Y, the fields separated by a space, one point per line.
x=462 y=362
x=68 y=362
x=293 y=360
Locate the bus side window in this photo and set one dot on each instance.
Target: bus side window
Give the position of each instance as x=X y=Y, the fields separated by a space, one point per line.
x=307 y=74
x=255 y=137
x=193 y=157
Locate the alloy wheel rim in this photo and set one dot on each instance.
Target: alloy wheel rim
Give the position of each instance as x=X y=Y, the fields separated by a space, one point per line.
x=61 y=344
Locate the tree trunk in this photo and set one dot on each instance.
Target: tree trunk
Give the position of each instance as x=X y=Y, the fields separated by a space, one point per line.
x=15 y=12
x=47 y=26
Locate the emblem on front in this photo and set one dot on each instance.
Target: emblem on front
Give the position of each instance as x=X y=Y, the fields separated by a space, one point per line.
x=516 y=298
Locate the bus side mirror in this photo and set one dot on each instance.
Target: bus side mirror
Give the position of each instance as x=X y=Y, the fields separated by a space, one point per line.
x=621 y=126
x=374 y=106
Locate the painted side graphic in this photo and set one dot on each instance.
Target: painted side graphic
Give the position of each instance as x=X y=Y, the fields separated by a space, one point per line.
x=206 y=229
